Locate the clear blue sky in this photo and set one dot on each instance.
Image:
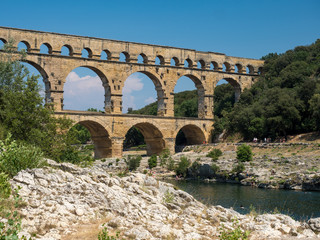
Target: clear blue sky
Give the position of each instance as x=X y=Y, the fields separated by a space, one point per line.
x=247 y=28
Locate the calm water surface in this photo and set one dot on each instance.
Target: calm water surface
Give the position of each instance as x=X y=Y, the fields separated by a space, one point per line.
x=298 y=204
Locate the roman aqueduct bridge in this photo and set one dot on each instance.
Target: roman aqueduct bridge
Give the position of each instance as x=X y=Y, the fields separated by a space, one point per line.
x=108 y=129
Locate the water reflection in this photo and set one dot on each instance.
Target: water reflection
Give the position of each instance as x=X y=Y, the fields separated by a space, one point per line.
x=298 y=204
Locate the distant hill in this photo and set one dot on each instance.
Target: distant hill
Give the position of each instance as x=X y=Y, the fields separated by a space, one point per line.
x=185 y=105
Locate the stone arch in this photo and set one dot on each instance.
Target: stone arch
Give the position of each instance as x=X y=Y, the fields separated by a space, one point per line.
x=161 y=111
x=160 y=61
x=227 y=67
x=153 y=137
x=144 y=58
x=69 y=48
x=236 y=86
x=260 y=70
x=107 y=54
x=188 y=63
x=89 y=52
x=48 y=46
x=4 y=41
x=200 y=91
x=45 y=78
x=201 y=64
x=126 y=57
x=239 y=68
x=214 y=66
x=250 y=69
x=100 y=138
x=174 y=61
x=28 y=46
x=108 y=106
x=192 y=134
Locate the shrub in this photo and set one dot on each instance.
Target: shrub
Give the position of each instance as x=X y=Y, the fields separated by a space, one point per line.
x=168 y=197
x=133 y=162
x=170 y=164
x=122 y=173
x=165 y=154
x=235 y=234
x=152 y=161
x=195 y=167
x=70 y=154
x=214 y=154
x=15 y=157
x=182 y=166
x=238 y=168
x=5 y=187
x=244 y=153
x=10 y=228
x=215 y=168
x=104 y=235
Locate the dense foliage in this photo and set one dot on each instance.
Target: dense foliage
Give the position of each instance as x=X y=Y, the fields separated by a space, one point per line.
x=133 y=137
x=24 y=117
x=152 y=161
x=23 y=114
x=285 y=100
x=182 y=167
x=133 y=162
x=244 y=153
x=215 y=154
x=15 y=157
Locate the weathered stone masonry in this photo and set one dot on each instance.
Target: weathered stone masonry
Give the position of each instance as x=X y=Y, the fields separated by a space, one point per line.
x=108 y=130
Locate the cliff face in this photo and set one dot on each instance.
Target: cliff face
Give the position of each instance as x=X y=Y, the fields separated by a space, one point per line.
x=62 y=196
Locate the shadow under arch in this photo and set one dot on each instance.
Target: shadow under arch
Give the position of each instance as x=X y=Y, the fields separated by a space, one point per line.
x=100 y=138
x=200 y=91
x=161 y=109
x=152 y=137
x=189 y=135
x=108 y=106
x=236 y=86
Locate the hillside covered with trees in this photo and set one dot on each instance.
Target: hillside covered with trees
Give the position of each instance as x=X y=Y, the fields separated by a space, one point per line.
x=285 y=100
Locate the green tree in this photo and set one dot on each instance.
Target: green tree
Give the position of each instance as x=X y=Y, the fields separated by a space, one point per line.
x=239 y=168
x=188 y=108
x=133 y=137
x=315 y=109
x=223 y=99
x=214 y=154
x=22 y=112
x=133 y=162
x=244 y=153
x=81 y=133
x=183 y=166
x=152 y=161
x=15 y=157
x=280 y=102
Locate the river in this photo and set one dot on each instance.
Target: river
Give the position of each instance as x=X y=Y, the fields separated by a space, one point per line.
x=300 y=205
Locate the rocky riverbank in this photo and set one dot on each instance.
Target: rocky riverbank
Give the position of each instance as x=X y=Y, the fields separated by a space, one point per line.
x=293 y=166
x=62 y=200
